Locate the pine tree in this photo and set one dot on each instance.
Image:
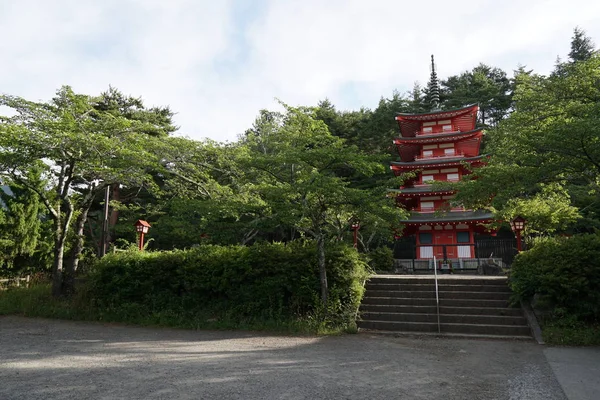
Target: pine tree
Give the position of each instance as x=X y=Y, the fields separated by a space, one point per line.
x=582 y=46
x=21 y=223
x=416 y=100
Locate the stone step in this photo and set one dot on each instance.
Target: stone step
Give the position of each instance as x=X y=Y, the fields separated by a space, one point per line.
x=445 y=318
x=505 y=330
x=404 y=287
x=442 y=294
x=407 y=301
x=500 y=311
x=446 y=335
x=441 y=280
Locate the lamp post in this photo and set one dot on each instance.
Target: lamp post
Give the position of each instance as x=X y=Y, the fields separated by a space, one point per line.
x=355 y=227
x=517 y=225
x=141 y=228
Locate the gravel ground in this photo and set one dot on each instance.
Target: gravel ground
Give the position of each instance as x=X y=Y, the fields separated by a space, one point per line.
x=50 y=359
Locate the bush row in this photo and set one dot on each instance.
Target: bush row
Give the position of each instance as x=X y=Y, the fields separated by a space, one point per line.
x=563 y=274
x=268 y=281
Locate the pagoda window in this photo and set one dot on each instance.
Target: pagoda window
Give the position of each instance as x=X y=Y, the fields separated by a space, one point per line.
x=425 y=238
x=427 y=178
x=449 y=152
x=463 y=237
x=427 y=206
x=447 y=128
x=427 y=153
x=452 y=177
x=427 y=129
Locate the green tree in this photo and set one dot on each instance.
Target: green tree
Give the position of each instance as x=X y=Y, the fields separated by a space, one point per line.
x=21 y=227
x=582 y=46
x=305 y=177
x=205 y=185
x=416 y=99
x=79 y=151
x=487 y=86
x=551 y=142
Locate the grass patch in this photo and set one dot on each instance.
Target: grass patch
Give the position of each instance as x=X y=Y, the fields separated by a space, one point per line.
x=567 y=333
x=37 y=301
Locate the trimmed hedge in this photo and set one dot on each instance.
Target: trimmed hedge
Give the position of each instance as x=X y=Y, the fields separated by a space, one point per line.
x=563 y=274
x=263 y=281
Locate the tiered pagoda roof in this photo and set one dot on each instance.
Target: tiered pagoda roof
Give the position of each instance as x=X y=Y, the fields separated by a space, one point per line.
x=479 y=216
x=436 y=162
x=417 y=191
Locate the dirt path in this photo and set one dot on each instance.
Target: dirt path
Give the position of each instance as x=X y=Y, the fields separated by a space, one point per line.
x=49 y=359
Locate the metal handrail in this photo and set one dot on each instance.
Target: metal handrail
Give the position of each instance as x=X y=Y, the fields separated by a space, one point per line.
x=437 y=296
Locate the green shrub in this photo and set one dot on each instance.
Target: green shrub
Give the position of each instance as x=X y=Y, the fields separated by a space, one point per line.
x=563 y=274
x=264 y=281
x=381 y=259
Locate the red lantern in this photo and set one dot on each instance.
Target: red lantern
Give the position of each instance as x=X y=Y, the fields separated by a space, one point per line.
x=518 y=225
x=355 y=227
x=141 y=227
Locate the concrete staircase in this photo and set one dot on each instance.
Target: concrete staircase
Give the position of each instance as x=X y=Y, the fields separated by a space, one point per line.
x=473 y=306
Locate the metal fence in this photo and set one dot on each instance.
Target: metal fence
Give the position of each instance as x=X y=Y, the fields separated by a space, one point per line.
x=486 y=255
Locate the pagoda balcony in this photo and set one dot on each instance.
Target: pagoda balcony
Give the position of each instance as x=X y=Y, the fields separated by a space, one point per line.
x=425 y=210
x=445 y=129
x=442 y=157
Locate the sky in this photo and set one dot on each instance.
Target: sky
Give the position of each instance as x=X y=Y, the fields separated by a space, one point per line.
x=216 y=63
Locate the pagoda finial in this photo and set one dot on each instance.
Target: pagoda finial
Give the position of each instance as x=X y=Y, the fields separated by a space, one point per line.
x=433 y=88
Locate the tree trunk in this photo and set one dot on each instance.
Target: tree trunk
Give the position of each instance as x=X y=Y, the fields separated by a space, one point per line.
x=61 y=229
x=322 y=270
x=114 y=213
x=57 y=267
x=71 y=268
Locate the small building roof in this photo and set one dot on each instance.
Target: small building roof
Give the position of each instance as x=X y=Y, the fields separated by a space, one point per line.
x=142 y=223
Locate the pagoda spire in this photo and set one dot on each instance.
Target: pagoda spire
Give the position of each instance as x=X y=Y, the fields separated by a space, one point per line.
x=433 y=88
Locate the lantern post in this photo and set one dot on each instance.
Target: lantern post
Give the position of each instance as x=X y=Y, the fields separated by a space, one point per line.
x=141 y=227
x=518 y=225
x=355 y=227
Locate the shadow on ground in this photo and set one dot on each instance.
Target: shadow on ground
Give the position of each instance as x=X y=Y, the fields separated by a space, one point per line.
x=49 y=359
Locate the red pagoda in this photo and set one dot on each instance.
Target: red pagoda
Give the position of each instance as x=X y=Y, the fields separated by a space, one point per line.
x=439 y=146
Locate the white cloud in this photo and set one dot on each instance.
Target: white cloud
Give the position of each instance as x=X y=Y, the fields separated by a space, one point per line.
x=217 y=70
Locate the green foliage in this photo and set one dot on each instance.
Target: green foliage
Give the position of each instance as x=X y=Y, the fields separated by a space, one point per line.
x=550 y=143
x=381 y=259
x=582 y=47
x=263 y=281
x=546 y=212
x=37 y=301
x=484 y=85
x=24 y=240
x=79 y=147
x=566 y=332
x=563 y=274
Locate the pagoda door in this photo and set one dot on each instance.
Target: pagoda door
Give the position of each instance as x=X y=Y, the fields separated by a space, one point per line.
x=441 y=239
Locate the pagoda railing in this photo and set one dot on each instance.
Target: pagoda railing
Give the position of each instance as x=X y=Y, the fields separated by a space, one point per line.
x=433 y=209
x=453 y=155
x=454 y=129
x=490 y=256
